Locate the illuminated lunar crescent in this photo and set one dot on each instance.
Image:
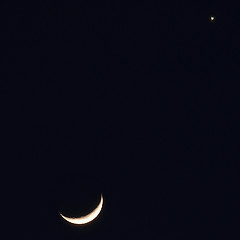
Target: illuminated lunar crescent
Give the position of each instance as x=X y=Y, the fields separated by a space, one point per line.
x=87 y=218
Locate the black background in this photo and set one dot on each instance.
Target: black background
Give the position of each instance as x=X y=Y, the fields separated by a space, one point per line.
x=138 y=102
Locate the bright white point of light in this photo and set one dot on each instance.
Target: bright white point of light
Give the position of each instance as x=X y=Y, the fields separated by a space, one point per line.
x=212 y=18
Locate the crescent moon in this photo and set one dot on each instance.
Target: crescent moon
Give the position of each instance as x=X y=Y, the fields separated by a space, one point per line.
x=87 y=218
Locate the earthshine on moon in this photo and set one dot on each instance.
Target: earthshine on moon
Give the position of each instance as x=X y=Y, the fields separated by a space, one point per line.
x=87 y=218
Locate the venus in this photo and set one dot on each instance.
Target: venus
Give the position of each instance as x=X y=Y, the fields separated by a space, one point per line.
x=87 y=218
x=212 y=18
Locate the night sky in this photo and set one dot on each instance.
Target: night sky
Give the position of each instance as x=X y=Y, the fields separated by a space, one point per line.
x=138 y=102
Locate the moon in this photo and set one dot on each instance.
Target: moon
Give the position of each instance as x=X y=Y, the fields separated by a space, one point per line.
x=87 y=218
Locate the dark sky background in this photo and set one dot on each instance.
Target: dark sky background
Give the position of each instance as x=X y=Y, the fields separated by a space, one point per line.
x=138 y=102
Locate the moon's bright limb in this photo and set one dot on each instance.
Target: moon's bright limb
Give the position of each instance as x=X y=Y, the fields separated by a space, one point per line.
x=87 y=218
